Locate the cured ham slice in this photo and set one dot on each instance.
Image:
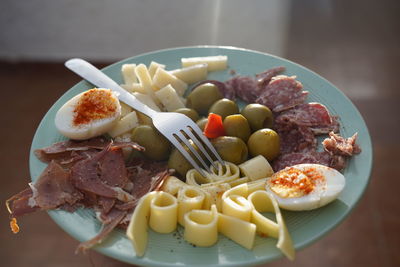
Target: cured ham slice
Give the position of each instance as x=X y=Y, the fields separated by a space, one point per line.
x=115 y=217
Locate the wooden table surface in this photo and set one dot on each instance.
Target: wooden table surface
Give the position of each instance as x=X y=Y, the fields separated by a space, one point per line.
x=355 y=45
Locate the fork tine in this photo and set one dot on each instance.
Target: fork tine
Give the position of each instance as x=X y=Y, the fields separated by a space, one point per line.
x=188 y=157
x=200 y=146
x=183 y=139
x=196 y=129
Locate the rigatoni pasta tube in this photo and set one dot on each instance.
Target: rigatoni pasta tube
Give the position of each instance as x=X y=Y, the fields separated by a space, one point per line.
x=189 y=198
x=163 y=213
x=201 y=227
x=256 y=168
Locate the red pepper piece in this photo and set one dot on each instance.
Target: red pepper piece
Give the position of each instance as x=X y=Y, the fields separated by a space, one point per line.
x=214 y=127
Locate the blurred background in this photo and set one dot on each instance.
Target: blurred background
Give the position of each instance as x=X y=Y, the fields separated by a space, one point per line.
x=354 y=44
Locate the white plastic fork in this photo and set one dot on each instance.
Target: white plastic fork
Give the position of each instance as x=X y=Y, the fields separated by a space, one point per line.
x=176 y=127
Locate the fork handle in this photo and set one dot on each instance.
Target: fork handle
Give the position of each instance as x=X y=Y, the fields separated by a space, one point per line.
x=98 y=78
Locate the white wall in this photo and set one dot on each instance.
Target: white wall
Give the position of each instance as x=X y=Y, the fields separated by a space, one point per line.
x=115 y=29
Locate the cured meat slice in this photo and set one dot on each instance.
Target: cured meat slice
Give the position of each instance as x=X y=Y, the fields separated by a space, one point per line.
x=70 y=151
x=291 y=159
x=87 y=175
x=19 y=204
x=265 y=77
x=115 y=217
x=146 y=176
x=313 y=115
x=295 y=138
x=282 y=93
x=338 y=145
x=54 y=188
x=244 y=87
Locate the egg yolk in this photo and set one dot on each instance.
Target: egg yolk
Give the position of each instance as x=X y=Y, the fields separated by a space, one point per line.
x=94 y=105
x=292 y=182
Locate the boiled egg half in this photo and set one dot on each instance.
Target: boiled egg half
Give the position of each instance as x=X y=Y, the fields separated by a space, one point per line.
x=305 y=186
x=89 y=114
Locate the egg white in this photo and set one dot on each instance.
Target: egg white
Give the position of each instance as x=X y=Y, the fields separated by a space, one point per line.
x=322 y=194
x=65 y=116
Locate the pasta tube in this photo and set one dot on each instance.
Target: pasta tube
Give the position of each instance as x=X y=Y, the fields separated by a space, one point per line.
x=189 y=198
x=201 y=227
x=163 y=213
x=256 y=168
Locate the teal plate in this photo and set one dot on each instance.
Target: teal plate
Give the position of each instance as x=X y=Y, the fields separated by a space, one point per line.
x=171 y=249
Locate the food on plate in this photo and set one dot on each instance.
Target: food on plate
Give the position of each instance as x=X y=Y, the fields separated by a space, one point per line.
x=231 y=148
x=157 y=146
x=94 y=174
x=236 y=212
x=169 y=98
x=214 y=127
x=256 y=168
x=306 y=186
x=89 y=114
x=264 y=142
x=258 y=116
x=236 y=125
x=276 y=131
x=202 y=123
x=213 y=62
x=202 y=97
x=191 y=113
x=224 y=107
x=192 y=74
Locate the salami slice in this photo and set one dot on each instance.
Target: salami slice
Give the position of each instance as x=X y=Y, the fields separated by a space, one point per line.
x=265 y=77
x=314 y=115
x=295 y=138
x=245 y=87
x=282 y=93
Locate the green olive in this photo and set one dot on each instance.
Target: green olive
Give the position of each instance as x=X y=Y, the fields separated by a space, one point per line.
x=202 y=97
x=264 y=142
x=202 y=123
x=237 y=125
x=230 y=148
x=178 y=162
x=157 y=146
x=258 y=116
x=191 y=113
x=224 y=107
